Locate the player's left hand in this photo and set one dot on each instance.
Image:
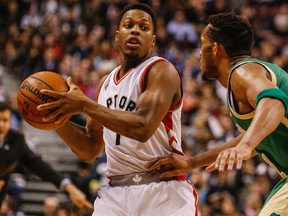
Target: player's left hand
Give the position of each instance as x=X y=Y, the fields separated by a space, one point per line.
x=230 y=158
x=77 y=196
x=178 y=165
x=67 y=103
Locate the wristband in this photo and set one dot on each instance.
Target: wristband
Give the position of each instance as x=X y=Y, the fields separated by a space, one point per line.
x=276 y=94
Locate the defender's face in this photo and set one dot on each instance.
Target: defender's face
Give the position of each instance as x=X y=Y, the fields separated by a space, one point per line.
x=135 y=35
x=207 y=61
x=5 y=123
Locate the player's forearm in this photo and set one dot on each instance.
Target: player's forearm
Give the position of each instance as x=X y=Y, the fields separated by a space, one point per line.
x=268 y=116
x=81 y=143
x=125 y=123
x=206 y=158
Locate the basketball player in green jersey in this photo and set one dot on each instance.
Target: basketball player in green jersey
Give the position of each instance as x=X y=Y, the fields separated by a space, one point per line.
x=257 y=100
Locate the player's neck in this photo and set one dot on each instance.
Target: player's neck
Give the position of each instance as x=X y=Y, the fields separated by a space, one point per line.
x=233 y=60
x=127 y=65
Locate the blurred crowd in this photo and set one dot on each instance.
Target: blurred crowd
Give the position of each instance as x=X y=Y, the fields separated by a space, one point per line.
x=76 y=38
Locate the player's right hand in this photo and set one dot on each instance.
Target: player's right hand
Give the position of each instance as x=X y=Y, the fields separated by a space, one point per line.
x=67 y=103
x=178 y=165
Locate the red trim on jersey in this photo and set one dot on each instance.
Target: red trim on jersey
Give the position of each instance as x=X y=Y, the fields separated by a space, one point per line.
x=176 y=106
x=183 y=178
x=195 y=194
x=147 y=69
x=143 y=83
x=180 y=178
x=167 y=121
x=181 y=98
x=178 y=152
x=172 y=139
x=115 y=78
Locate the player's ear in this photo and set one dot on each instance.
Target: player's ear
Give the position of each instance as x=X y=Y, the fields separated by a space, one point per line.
x=116 y=36
x=215 y=48
x=153 y=40
x=218 y=49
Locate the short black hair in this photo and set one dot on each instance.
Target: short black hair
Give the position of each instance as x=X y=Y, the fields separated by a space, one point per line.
x=5 y=106
x=232 y=31
x=139 y=6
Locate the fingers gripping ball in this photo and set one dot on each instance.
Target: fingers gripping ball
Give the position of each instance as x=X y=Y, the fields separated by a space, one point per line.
x=29 y=97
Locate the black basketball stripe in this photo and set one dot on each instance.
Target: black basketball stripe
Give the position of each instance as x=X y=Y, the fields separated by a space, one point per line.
x=41 y=81
x=30 y=99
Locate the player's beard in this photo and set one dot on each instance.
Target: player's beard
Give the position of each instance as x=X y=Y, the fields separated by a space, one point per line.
x=211 y=70
x=132 y=57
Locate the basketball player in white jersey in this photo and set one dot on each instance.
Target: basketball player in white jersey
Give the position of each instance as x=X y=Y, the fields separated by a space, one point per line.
x=136 y=118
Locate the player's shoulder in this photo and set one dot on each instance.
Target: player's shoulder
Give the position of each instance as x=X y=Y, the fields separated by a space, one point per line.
x=164 y=71
x=163 y=64
x=249 y=69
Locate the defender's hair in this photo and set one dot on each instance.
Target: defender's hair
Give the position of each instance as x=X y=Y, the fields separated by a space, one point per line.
x=232 y=31
x=139 y=6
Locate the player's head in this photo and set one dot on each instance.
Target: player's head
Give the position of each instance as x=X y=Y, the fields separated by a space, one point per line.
x=5 y=118
x=139 y=6
x=231 y=32
x=136 y=31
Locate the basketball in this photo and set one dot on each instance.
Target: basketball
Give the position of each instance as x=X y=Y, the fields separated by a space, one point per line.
x=29 y=97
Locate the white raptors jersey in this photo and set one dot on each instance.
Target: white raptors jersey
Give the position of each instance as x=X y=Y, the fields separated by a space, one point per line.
x=125 y=155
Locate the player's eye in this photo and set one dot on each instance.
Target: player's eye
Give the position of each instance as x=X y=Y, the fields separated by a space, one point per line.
x=144 y=28
x=127 y=25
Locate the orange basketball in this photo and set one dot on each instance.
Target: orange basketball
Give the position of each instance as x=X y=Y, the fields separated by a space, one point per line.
x=29 y=97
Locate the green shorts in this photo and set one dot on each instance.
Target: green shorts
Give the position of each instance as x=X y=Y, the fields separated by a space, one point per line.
x=277 y=201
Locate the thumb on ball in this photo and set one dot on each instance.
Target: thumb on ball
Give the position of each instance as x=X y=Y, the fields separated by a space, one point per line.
x=70 y=82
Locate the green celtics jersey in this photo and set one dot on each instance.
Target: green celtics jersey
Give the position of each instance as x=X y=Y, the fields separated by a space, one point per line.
x=274 y=148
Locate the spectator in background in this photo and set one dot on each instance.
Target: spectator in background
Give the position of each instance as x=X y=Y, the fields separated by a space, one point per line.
x=103 y=59
x=252 y=204
x=50 y=204
x=31 y=18
x=62 y=211
x=87 y=180
x=280 y=20
x=9 y=207
x=14 y=151
x=32 y=62
x=191 y=100
x=3 y=93
x=16 y=118
x=49 y=61
x=93 y=84
x=65 y=66
x=224 y=128
x=183 y=31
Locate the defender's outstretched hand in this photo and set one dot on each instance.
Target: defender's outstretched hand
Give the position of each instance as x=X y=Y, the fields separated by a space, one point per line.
x=67 y=103
x=179 y=165
x=230 y=158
